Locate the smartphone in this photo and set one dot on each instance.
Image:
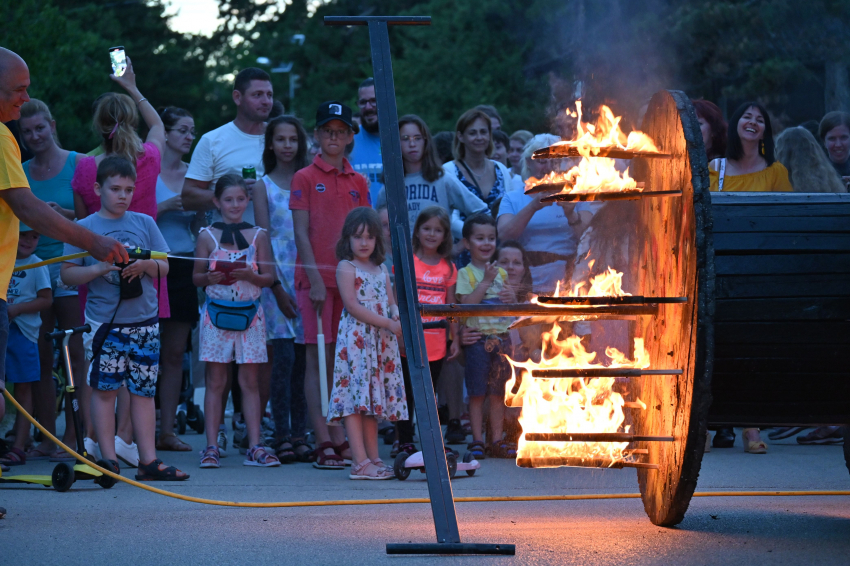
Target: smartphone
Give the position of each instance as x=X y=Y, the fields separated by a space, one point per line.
x=227 y=266
x=118 y=60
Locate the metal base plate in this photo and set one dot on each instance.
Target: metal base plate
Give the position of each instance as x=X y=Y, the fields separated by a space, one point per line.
x=451 y=548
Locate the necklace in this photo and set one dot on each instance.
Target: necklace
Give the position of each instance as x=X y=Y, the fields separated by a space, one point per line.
x=476 y=175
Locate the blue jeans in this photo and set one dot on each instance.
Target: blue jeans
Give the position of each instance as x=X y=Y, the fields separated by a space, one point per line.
x=4 y=338
x=486 y=372
x=289 y=405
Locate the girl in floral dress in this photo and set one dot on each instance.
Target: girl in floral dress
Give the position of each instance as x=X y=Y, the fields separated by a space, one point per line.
x=368 y=382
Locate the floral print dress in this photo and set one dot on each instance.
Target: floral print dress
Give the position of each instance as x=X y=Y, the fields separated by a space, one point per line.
x=367 y=367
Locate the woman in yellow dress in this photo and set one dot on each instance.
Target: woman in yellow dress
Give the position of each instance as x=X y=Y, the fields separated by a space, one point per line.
x=750 y=163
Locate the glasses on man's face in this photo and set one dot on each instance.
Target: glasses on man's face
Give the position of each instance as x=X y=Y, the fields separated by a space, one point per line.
x=363 y=102
x=415 y=139
x=331 y=133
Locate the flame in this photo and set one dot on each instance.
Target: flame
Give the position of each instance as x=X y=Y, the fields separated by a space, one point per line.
x=598 y=174
x=609 y=283
x=571 y=405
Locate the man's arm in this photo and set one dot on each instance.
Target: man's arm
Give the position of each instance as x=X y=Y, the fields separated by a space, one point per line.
x=39 y=216
x=197 y=195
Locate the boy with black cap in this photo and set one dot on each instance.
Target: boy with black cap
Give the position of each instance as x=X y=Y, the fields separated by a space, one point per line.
x=321 y=196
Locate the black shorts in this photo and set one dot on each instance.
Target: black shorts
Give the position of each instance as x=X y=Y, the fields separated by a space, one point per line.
x=182 y=293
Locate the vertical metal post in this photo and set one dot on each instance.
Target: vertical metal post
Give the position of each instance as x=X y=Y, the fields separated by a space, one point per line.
x=431 y=438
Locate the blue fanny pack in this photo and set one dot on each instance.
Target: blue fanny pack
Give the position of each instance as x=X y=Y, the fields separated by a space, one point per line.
x=232 y=315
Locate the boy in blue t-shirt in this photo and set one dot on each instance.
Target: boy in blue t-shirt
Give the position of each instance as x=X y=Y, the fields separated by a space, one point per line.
x=29 y=294
x=123 y=310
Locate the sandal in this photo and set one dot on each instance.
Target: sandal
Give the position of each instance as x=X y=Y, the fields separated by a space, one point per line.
x=284 y=453
x=169 y=442
x=4 y=468
x=395 y=449
x=408 y=447
x=157 y=471
x=38 y=454
x=753 y=446
x=259 y=456
x=502 y=449
x=476 y=448
x=307 y=455
x=342 y=448
x=369 y=470
x=14 y=457
x=322 y=459
x=210 y=457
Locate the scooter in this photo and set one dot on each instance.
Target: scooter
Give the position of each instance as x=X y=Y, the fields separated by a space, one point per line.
x=64 y=474
x=405 y=463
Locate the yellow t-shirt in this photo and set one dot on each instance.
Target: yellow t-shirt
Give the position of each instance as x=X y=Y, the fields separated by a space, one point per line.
x=11 y=177
x=467 y=279
x=772 y=179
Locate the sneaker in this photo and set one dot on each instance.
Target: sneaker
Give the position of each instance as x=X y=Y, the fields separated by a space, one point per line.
x=239 y=433
x=785 y=432
x=454 y=432
x=823 y=435
x=267 y=430
x=92 y=448
x=222 y=443
x=127 y=453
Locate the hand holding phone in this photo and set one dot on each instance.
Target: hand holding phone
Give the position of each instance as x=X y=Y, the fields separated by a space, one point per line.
x=118 y=59
x=227 y=267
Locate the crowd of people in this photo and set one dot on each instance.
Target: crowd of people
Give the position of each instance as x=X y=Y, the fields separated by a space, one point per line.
x=279 y=241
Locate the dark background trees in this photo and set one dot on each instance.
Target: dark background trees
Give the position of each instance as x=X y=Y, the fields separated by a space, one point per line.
x=527 y=58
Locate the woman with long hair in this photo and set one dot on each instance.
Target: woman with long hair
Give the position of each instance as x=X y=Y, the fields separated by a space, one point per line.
x=179 y=228
x=49 y=173
x=834 y=132
x=713 y=127
x=285 y=151
x=808 y=166
x=750 y=163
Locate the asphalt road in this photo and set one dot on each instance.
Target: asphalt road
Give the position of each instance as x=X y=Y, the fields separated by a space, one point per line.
x=90 y=525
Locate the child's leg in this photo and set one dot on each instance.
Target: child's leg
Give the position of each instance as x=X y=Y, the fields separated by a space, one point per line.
x=103 y=417
x=476 y=417
x=311 y=392
x=173 y=345
x=264 y=381
x=280 y=385
x=370 y=437
x=497 y=415
x=125 y=419
x=251 y=411
x=23 y=394
x=143 y=416
x=354 y=429
x=216 y=379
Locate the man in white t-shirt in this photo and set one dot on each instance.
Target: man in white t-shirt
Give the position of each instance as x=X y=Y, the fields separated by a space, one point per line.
x=233 y=146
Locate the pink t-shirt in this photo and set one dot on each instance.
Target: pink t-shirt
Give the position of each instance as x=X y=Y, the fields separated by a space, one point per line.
x=144 y=197
x=144 y=201
x=432 y=283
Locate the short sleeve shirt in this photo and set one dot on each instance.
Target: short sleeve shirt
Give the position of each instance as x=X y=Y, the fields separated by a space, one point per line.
x=24 y=288
x=132 y=230
x=366 y=159
x=328 y=195
x=11 y=177
x=432 y=284
x=467 y=279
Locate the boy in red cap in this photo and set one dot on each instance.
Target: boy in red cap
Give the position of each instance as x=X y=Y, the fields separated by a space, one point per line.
x=322 y=195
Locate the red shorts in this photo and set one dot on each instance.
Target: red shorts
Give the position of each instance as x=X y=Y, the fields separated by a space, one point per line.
x=331 y=313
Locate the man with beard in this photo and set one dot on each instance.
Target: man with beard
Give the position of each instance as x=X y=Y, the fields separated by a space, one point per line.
x=366 y=156
x=233 y=146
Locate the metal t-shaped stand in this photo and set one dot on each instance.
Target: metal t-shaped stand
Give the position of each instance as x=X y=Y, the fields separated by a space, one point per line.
x=433 y=451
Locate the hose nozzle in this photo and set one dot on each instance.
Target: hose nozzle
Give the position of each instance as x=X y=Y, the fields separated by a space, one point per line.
x=139 y=253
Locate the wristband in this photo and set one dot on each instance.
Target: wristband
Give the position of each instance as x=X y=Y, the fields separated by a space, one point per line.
x=141 y=100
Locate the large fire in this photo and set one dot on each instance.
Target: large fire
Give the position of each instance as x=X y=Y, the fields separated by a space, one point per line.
x=574 y=405
x=599 y=174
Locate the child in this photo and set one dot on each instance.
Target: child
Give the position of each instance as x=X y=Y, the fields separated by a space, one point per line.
x=233 y=272
x=435 y=283
x=29 y=294
x=487 y=371
x=122 y=309
x=323 y=193
x=368 y=383
x=282 y=377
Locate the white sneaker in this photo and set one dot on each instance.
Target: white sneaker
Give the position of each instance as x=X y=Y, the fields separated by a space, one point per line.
x=221 y=440
x=127 y=453
x=92 y=448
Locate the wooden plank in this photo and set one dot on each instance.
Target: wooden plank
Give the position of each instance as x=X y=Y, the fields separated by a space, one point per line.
x=805 y=308
x=808 y=285
x=811 y=224
x=796 y=332
x=778 y=242
x=760 y=199
x=780 y=264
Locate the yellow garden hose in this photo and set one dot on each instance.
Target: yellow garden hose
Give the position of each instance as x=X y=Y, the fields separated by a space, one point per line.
x=134 y=253
x=398 y=501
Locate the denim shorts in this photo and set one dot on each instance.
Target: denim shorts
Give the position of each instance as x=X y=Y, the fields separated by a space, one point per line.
x=486 y=372
x=127 y=352
x=22 y=365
